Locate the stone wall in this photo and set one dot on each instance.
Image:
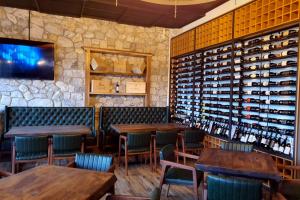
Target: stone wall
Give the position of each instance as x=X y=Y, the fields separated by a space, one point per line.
x=70 y=35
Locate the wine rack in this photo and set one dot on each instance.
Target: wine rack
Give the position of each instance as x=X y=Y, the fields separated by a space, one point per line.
x=183 y=43
x=243 y=91
x=216 y=31
x=262 y=14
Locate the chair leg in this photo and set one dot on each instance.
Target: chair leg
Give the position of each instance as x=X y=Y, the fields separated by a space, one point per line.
x=126 y=158
x=150 y=155
x=168 y=189
x=183 y=149
x=155 y=155
x=13 y=158
x=119 y=154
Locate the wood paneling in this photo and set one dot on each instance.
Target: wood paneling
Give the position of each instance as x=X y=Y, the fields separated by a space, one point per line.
x=263 y=14
x=183 y=43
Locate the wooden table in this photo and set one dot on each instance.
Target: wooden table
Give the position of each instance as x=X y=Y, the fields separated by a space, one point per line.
x=59 y=183
x=233 y=163
x=136 y=128
x=47 y=130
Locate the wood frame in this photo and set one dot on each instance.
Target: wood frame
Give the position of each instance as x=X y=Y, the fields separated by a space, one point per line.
x=168 y=164
x=127 y=154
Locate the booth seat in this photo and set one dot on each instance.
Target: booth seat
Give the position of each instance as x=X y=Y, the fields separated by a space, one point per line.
x=128 y=115
x=47 y=116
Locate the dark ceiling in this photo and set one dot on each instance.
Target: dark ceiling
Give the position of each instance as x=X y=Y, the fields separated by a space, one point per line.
x=133 y=12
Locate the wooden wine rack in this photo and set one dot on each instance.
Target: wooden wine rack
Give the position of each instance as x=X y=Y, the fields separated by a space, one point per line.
x=183 y=43
x=216 y=31
x=215 y=142
x=263 y=14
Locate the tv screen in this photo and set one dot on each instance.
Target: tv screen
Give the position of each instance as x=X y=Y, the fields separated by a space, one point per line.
x=24 y=59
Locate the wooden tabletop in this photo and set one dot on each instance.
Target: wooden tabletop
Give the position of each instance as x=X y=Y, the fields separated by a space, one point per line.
x=56 y=183
x=134 y=128
x=253 y=165
x=47 y=130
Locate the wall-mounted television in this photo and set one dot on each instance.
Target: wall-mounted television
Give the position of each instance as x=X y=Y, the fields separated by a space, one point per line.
x=25 y=59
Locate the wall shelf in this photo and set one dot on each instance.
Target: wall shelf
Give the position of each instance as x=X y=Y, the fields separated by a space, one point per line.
x=119 y=94
x=115 y=73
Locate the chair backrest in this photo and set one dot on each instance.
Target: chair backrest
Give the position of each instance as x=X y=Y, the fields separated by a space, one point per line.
x=233 y=188
x=193 y=136
x=167 y=153
x=232 y=146
x=66 y=143
x=166 y=137
x=136 y=140
x=28 y=148
x=94 y=162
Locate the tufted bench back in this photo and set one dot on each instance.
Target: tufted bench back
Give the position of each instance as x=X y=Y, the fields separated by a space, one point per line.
x=42 y=116
x=131 y=115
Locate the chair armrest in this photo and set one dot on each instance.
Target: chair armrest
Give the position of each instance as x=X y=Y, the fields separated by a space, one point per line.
x=296 y=168
x=112 y=169
x=125 y=197
x=123 y=137
x=71 y=164
x=177 y=165
x=186 y=155
x=5 y=174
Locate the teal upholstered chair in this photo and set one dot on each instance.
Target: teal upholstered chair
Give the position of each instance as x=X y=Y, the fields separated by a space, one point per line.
x=66 y=146
x=290 y=189
x=163 y=138
x=154 y=195
x=233 y=146
x=29 y=149
x=233 y=188
x=178 y=174
x=135 y=144
x=95 y=162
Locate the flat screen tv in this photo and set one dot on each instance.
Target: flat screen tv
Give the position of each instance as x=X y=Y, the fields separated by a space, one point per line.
x=24 y=59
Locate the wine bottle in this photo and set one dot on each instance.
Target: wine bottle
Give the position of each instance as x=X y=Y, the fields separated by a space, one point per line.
x=282 y=144
x=288 y=32
x=287 y=92
x=286 y=83
x=286 y=112
x=238 y=53
x=288 y=53
x=252 y=59
x=288 y=147
x=288 y=43
x=288 y=73
x=289 y=63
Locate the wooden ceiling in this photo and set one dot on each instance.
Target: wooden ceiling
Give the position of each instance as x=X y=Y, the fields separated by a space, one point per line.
x=133 y=12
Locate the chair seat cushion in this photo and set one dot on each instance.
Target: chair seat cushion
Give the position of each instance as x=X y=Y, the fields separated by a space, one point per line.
x=65 y=153
x=136 y=149
x=181 y=176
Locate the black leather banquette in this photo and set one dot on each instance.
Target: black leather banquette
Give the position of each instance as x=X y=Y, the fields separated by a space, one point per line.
x=41 y=116
x=130 y=115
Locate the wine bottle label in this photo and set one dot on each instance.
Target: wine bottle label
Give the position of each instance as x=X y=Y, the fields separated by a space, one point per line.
x=281 y=149
x=237 y=76
x=242 y=138
x=252 y=75
x=267 y=92
x=287 y=150
x=266 y=47
x=215 y=51
x=284 y=63
x=188 y=103
x=225 y=49
x=249 y=92
x=267 y=38
x=265 y=83
x=238 y=45
x=263 y=140
x=247 y=43
x=215 y=92
x=237 y=61
x=276 y=147
x=224 y=63
x=249 y=84
x=253 y=67
x=215 y=78
x=227 y=132
x=268 y=101
x=238 y=53
x=253 y=59
x=266 y=65
x=284 y=53
x=285 y=43
x=266 y=56
x=215 y=85
x=215 y=64
x=224 y=56
x=266 y=74
x=285 y=33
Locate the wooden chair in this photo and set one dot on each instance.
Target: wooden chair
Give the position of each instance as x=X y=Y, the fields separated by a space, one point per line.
x=30 y=149
x=233 y=146
x=289 y=189
x=178 y=174
x=155 y=195
x=233 y=188
x=161 y=139
x=66 y=146
x=135 y=144
x=4 y=174
x=95 y=162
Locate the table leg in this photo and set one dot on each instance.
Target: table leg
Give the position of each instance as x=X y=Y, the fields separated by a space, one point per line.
x=13 y=157
x=204 y=189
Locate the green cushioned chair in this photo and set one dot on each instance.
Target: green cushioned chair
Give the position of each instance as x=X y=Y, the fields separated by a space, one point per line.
x=233 y=188
x=66 y=146
x=233 y=146
x=95 y=162
x=135 y=144
x=154 y=195
x=163 y=138
x=178 y=174
x=29 y=149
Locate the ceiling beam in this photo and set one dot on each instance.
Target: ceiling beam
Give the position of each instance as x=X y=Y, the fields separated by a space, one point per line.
x=82 y=7
x=37 y=5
